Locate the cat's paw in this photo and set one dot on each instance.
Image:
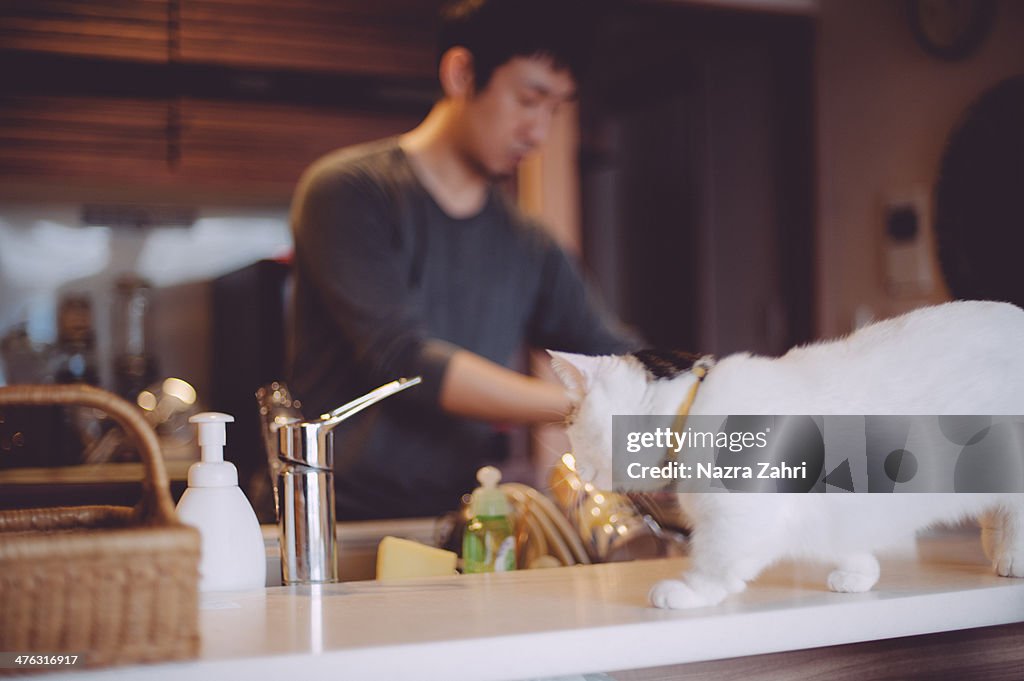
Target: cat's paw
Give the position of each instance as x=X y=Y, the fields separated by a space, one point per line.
x=1009 y=563
x=673 y=594
x=845 y=581
x=855 y=574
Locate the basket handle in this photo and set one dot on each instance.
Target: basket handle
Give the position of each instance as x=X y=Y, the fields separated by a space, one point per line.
x=156 y=495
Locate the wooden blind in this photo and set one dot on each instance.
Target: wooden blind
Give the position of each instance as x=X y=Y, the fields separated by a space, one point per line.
x=385 y=37
x=161 y=117
x=125 y=29
x=63 y=137
x=267 y=146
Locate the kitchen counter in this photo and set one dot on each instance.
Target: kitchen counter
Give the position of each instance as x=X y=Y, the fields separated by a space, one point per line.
x=577 y=620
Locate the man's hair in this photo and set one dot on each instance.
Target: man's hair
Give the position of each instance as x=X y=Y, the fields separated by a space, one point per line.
x=495 y=31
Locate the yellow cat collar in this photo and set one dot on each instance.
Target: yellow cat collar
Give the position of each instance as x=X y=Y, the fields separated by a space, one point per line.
x=700 y=369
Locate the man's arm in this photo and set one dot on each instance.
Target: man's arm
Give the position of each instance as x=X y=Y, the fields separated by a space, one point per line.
x=477 y=388
x=567 y=316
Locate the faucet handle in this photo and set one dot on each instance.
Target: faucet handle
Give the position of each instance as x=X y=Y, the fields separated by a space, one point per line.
x=369 y=399
x=306 y=442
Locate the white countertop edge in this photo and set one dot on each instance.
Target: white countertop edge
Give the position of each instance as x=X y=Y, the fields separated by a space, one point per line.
x=602 y=649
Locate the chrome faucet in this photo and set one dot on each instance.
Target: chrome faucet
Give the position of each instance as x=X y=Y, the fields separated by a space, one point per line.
x=305 y=489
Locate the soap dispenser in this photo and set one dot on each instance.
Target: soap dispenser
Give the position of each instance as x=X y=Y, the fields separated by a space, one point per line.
x=489 y=544
x=232 y=556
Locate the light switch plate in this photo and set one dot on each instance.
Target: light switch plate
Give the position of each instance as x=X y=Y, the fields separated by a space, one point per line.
x=907 y=245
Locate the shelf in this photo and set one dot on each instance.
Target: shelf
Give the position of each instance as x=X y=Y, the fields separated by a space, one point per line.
x=106 y=473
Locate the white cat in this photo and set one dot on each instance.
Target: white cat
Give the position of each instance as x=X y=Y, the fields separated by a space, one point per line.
x=956 y=358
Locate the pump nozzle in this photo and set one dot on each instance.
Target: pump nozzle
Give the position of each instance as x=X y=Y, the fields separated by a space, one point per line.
x=488 y=477
x=487 y=499
x=213 y=470
x=211 y=433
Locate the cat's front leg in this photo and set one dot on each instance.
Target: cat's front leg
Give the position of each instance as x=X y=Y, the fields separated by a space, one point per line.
x=709 y=582
x=691 y=591
x=855 y=573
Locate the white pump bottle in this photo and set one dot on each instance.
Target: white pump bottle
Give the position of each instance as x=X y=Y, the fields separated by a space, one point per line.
x=232 y=555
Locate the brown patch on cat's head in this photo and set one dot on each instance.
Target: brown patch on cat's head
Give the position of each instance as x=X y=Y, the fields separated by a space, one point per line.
x=665 y=363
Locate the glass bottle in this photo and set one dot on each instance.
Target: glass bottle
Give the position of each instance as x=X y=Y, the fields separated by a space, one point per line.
x=134 y=367
x=76 y=351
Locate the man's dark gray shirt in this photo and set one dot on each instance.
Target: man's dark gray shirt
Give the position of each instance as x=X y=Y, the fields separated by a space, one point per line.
x=388 y=285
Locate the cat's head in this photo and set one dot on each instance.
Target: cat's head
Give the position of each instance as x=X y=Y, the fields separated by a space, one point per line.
x=644 y=382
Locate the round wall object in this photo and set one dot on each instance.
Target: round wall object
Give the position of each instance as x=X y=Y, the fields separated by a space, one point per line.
x=951 y=29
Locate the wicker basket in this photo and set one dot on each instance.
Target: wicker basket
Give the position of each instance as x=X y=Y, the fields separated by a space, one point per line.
x=114 y=584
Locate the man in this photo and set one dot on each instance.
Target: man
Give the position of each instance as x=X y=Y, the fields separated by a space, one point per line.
x=410 y=262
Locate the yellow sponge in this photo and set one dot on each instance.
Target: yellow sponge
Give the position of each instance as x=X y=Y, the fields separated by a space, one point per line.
x=405 y=559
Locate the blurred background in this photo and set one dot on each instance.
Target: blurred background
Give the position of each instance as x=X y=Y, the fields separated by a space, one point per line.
x=736 y=175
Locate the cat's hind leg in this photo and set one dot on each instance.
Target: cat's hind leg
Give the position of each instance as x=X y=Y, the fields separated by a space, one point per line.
x=1008 y=549
x=855 y=573
x=991 y=534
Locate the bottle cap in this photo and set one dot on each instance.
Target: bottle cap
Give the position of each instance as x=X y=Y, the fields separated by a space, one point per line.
x=487 y=499
x=213 y=470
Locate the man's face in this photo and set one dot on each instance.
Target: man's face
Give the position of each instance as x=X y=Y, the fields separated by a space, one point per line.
x=512 y=115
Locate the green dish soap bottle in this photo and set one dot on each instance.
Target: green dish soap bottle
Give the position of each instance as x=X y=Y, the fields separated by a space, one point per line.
x=489 y=544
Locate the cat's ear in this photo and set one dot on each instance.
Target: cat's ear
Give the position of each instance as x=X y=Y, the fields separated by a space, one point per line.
x=574 y=371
